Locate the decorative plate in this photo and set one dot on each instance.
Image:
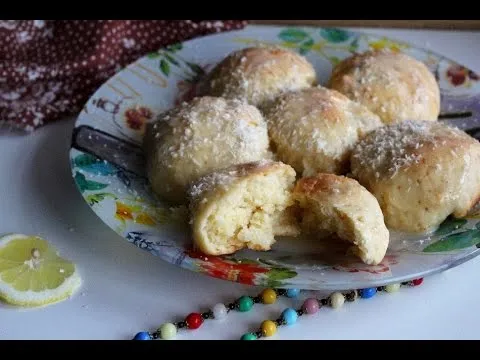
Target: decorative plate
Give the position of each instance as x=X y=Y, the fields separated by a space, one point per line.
x=107 y=164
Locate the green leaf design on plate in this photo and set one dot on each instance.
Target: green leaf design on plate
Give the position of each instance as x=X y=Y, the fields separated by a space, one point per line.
x=354 y=45
x=456 y=241
x=335 y=35
x=171 y=59
x=306 y=47
x=165 y=67
x=276 y=276
x=478 y=225
x=85 y=184
x=174 y=47
x=293 y=35
x=196 y=68
x=449 y=225
x=93 y=165
x=84 y=160
x=334 y=60
x=93 y=199
x=273 y=283
x=153 y=55
x=280 y=274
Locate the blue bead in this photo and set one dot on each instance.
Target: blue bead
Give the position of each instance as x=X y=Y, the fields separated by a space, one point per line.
x=368 y=293
x=291 y=293
x=290 y=316
x=142 y=336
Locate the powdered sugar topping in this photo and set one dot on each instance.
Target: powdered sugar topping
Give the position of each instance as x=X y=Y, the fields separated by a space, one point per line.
x=248 y=74
x=391 y=148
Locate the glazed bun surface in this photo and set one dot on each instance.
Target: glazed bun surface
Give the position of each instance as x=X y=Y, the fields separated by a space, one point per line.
x=420 y=172
x=259 y=74
x=394 y=86
x=315 y=129
x=198 y=137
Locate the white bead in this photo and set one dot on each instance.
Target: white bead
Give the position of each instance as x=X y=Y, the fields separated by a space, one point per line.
x=219 y=311
x=336 y=300
x=391 y=288
x=168 y=331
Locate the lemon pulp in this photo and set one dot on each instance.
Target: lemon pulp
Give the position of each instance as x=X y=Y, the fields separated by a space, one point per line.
x=32 y=273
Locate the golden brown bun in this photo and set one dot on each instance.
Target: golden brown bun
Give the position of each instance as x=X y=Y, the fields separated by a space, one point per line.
x=315 y=129
x=393 y=85
x=259 y=74
x=340 y=205
x=420 y=172
x=198 y=137
x=239 y=207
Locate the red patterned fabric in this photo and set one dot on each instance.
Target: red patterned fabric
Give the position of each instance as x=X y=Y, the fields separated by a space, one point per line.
x=49 y=68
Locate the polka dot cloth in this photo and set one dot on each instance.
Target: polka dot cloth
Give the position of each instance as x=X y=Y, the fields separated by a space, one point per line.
x=49 y=68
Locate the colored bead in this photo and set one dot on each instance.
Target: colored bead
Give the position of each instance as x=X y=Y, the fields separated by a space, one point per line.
x=269 y=296
x=311 y=306
x=368 y=293
x=269 y=328
x=142 y=336
x=289 y=316
x=194 y=321
x=291 y=293
x=167 y=331
x=417 y=282
x=245 y=303
x=336 y=300
x=219 y=311
x=391 y=288
x=248 y=336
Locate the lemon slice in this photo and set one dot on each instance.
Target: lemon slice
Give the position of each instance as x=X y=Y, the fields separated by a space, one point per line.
x=32 y=273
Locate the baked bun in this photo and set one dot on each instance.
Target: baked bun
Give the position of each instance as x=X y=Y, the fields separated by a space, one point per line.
x=314 y=129
x=198 y=137
x=237 y=207
x=420 y=172
x=259 y=74
x=393 y=85
x=341 y=206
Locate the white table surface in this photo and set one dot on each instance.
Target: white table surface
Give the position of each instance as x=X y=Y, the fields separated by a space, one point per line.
x=126 y=290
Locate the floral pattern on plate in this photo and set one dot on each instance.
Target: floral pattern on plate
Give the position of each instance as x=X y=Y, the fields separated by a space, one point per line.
x=107 y=163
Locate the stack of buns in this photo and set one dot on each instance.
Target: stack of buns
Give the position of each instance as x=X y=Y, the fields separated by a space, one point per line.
x=265 y=151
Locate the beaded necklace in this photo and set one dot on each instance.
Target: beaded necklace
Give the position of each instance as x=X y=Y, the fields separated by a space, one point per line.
x=288 y=316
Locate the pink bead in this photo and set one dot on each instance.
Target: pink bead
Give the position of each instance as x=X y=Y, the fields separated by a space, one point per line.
x=311 y=306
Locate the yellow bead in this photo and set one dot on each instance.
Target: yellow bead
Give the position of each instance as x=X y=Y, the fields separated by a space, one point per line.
x=269 y=328
x=391 y=288
x=269 y=296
